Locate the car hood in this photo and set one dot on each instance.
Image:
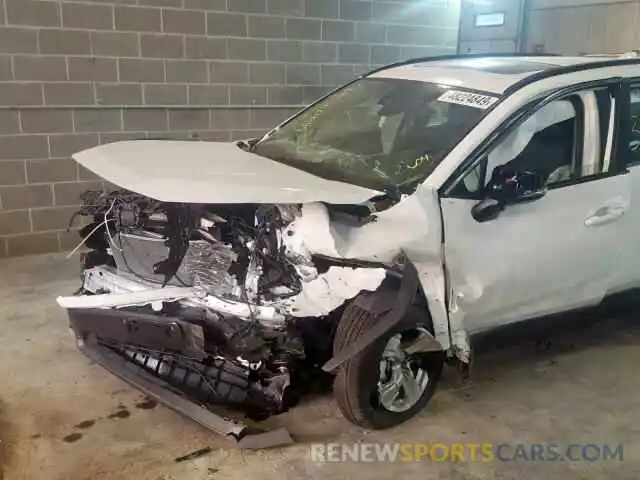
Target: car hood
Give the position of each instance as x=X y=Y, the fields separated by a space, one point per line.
x=211 y=172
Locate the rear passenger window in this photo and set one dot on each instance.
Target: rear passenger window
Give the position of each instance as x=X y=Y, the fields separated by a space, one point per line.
x=634 y=140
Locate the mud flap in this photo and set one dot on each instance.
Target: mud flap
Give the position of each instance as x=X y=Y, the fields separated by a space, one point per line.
x=237 y=433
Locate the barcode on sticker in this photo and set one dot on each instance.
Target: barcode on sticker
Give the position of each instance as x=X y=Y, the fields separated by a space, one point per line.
x=475 y=100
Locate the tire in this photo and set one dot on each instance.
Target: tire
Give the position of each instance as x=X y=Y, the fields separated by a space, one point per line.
x=355 y=386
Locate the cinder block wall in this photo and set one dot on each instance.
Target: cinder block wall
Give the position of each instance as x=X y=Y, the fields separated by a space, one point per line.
x=74 y=74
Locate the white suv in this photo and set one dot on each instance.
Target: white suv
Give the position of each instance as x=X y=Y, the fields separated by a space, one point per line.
x=371 y=236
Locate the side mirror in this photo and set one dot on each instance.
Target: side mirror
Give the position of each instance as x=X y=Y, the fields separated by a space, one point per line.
x=486 y=210
x=508 y=187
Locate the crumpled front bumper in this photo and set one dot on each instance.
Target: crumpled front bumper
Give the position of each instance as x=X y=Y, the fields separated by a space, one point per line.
x=237 y=433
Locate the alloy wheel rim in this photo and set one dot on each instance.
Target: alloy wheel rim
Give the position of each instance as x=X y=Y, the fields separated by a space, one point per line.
x=401 y=382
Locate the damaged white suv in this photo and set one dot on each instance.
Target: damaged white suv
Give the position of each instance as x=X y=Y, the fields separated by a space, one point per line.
x=367 y=239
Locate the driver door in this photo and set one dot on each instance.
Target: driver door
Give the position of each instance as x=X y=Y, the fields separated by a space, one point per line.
x=552 y=254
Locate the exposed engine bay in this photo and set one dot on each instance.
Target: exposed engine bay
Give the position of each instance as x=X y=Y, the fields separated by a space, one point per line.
x=228 y=304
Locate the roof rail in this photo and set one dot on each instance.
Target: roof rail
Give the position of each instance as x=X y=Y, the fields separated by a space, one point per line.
x=627 y=54
x=561 y=70
x=435 y=58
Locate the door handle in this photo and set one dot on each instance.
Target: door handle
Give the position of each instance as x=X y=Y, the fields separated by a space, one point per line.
x=605 y=214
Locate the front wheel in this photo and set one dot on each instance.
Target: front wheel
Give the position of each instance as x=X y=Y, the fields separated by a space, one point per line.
x=383 y=386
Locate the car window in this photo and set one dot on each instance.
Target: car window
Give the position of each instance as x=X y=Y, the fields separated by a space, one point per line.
x=564 y=140
x=383 y=133
x=544 y=143
x=634 y=141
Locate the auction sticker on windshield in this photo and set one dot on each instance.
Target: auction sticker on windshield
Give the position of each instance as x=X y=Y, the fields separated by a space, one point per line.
x=468 y=99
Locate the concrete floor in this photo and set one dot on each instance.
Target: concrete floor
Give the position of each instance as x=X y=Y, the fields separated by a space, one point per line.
x=63 y=418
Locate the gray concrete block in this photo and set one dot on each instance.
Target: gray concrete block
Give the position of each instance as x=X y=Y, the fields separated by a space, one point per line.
x=109 y=120
x=304 y=29
x=226 y=24
x=246 y=134
x=409 y=35
x=356 y=9
x=12 y=173
x=216 y=135
x=267 y=119
x=354 y=53
x=285 y=95
x=106 y=138
x=208 y=95
x=247 y=49
x=56 y=218
x=267 y=73
x=115 y=44
x=187 y=71
x=203 y=47
x=161 y=3
x=338 y=31
x=32 y=12
x=322 y=8
x=313 y=93
x=67 y=144
x=284 y=50
x=141 y=70
x=26 y=196
x=158 y=94
x=46 y=121
x=217 y=5
x=93 y=69
x=384 y=54
x=336 y=74
x=248 y=95
x=18 y=40
x=6 y=72
x=286 y=8
x=390 y=12
x=247 y=6
x=119 y=93
x=152 y=119
x=32 y=243
x=64 y=42
x=316 y=52
x=262 y=26
x=69 y=193
x=189 y=22
x=162 y=46
x=84 y=16
x=370 y=32
x=9 y=122
x=229 y=119
x=17 y=147
x=52 y=170
x=229 y=72
x=33 y=68
x=302 y=74
x=68 y=93
x=415 y=52
x=188 y=119
x=138 y=19
x=12 y=223
x=17 y=94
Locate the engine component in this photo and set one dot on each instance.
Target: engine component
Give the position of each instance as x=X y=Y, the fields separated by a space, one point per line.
x=207 y=265
x=137 y=254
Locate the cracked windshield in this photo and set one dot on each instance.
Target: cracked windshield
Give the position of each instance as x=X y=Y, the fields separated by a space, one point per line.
x=381 y=133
